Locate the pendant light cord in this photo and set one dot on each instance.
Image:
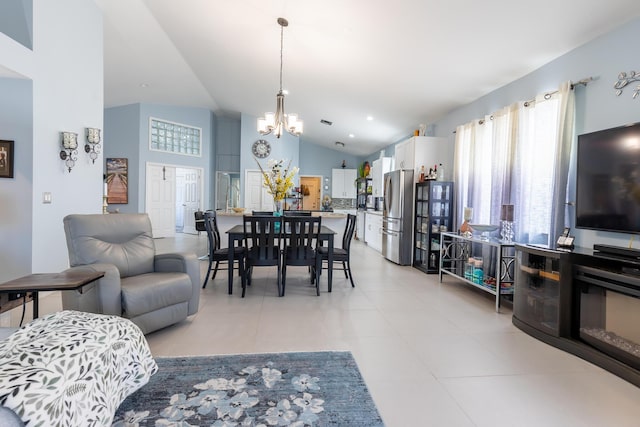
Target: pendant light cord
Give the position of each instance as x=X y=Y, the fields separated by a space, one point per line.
x=281 y=49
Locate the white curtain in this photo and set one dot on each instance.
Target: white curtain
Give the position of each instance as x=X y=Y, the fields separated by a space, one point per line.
x=566 y=139
x=519 y=155
x=472 y=168
x=483 y=164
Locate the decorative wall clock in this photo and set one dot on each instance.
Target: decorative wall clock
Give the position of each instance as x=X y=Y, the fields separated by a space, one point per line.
x=261 y=148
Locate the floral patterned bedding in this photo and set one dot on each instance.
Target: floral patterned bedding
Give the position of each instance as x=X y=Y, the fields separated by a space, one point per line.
x=72 y=368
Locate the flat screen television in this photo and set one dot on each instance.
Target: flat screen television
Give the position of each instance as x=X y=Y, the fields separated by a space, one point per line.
x=608 y=180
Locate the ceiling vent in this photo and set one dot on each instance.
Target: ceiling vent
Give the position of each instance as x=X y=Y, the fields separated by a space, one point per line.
x=326 y=122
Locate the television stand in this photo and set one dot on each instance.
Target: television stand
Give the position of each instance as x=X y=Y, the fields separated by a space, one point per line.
x=617 y=252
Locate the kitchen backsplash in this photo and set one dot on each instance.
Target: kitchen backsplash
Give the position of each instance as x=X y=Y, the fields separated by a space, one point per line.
x=343 y=203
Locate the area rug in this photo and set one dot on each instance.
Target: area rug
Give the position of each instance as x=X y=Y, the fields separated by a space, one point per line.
x=277 y=389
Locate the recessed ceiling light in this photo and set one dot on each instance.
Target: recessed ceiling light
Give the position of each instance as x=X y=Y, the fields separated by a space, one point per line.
x=143 y=85
x=369 y=118
x=351 y=135
x=339 y=143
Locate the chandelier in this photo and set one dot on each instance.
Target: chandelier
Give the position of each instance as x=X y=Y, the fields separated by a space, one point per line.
x=279 y=121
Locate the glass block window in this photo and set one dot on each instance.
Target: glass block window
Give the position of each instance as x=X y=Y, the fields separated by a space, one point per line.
x=174 y=138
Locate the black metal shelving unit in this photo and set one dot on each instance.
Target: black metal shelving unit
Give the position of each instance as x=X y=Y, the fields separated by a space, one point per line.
x=364 y=189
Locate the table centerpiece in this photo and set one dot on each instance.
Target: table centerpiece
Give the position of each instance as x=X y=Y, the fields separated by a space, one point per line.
x=278 y=180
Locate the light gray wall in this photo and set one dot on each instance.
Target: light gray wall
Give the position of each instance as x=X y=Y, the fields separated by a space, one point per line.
x=67 y=96
x=56 y=95
x=122 y=139
x=597 y=106
x=16 y=19
x=127 y=135
x=227 y=143
x=198 y=117
x=16 y=210
x=319 y=160
x=286 y=147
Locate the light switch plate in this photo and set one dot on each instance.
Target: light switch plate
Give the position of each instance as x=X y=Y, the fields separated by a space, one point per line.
x=46 y=197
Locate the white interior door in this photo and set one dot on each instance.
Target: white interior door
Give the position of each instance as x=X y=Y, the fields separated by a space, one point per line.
x=180 y=197
x=191 y=184
x=256 y=197
x=161 y=199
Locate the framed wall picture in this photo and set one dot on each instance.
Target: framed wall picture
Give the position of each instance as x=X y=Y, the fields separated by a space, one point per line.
x=6 y=159
x=117 y=181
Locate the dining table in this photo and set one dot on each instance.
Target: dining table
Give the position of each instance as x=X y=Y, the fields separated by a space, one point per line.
x=236 y=236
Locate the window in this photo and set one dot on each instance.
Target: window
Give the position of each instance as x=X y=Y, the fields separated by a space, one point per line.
x=174 y=138
x=519 y=156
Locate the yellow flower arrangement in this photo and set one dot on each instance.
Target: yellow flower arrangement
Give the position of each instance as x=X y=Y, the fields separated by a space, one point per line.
x=278 y=180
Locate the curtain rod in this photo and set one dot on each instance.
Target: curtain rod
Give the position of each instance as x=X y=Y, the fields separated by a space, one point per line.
x=581 y=82
x=548 y=95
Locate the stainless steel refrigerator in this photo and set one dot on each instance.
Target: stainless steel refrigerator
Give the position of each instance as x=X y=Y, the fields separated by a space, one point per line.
x=397 y=216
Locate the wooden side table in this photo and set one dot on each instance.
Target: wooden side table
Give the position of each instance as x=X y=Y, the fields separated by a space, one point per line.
x=34 y=283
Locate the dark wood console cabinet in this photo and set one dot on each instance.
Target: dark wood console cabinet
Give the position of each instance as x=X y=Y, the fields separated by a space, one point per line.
x=543 y=281
x=562 y=297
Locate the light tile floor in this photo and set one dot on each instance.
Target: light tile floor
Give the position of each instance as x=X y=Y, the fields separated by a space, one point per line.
x=432 y=354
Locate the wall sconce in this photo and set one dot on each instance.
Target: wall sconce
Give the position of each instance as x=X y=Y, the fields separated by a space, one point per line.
x=92 y=147
x=69 y=141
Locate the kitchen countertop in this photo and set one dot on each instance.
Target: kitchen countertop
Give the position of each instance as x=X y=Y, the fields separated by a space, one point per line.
x=329 y=214
x=231 y=213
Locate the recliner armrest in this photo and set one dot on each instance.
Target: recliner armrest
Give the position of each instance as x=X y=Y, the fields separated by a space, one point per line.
x=173 y=262
x=102 y=296
x=185 y=263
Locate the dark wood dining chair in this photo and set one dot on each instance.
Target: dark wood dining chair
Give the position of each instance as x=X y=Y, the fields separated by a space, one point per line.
x=262 y=236
x=301 y=240
x=218 y=254
x=297 y=213
x=199 y=221
x=262 y=213
x=342 y=254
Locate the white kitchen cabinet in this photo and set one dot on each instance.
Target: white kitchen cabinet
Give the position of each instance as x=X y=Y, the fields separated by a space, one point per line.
x=373 y=230
x=360 y=225
x=379 y=168
x=425 y=151
x=343 y=183
x=405 y=154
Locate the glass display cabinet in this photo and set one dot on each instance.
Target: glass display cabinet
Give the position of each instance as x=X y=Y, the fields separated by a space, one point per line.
x=433 y=215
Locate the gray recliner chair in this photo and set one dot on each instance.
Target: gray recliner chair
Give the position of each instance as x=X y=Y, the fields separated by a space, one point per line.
x=153 y=291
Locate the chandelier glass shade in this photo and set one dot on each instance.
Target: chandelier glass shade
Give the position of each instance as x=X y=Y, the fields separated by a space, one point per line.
x=279 y=122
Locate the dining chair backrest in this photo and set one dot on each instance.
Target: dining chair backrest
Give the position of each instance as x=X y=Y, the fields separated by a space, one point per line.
x=262 y=213
x=211 y=228
x=262 y=235
x=297 y=213
x=348 y=232
x=199 y=219
x=301 y=236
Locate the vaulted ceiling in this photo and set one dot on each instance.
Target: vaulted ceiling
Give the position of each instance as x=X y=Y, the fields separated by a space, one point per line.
x=403 y=63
